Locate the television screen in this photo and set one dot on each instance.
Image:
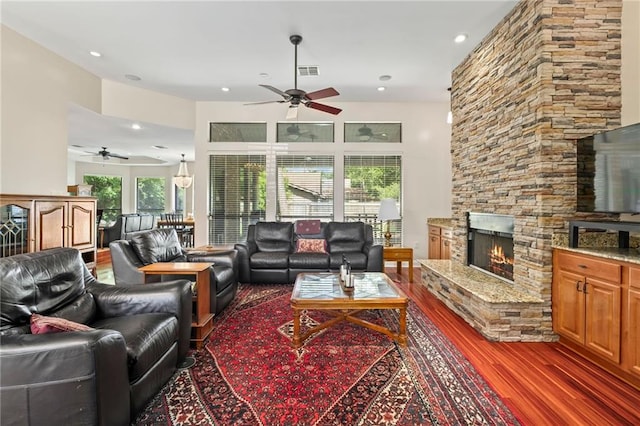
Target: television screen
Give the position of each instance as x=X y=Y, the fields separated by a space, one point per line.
x=609 y=171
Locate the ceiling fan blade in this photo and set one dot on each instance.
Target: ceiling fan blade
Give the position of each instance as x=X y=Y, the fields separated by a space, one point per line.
x=276 y=90
x=292 y=112
x=111 y=154
x=324 y=108
x=324 y=93
x=266 y=102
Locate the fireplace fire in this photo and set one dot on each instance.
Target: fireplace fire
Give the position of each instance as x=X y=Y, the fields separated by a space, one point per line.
x=490 y=244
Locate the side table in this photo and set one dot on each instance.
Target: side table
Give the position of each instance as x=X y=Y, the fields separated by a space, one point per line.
x=399 y=255
x=202 y=319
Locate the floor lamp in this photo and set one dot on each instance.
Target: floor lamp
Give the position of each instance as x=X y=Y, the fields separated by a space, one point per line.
x=388 y=212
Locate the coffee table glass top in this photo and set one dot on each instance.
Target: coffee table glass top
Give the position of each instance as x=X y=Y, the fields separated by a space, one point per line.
x=326 y=286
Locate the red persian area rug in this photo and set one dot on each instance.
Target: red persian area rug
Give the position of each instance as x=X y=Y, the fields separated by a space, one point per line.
x=249 y=374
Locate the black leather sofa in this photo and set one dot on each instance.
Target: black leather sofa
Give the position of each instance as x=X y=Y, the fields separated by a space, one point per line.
x=126 y=224
x=163 y=245
x=270 y=255
x=103 y=376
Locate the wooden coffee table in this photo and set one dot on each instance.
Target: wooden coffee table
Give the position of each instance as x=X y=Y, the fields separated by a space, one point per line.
x=202 y=321
x=322 y=291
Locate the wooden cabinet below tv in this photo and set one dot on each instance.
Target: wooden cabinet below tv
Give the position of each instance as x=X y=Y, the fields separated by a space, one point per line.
x=596 y=310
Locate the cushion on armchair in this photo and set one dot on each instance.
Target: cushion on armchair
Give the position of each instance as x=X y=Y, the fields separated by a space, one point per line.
x=161 y=245
x=41 y=324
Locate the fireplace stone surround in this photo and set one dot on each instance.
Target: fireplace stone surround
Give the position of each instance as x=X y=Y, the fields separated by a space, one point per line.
x=547 y=75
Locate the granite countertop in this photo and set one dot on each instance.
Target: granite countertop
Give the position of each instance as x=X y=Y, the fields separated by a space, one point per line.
x=445 y=222
x=600 y=244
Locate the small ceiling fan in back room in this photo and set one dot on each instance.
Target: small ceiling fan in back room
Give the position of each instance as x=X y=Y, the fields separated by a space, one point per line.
x=106 y=154
x=296 y=96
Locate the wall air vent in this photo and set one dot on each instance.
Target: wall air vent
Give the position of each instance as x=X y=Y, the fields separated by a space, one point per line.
x=308 y=70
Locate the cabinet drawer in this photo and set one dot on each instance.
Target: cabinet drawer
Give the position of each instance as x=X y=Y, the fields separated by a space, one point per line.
x=434 y=230
x=446 y=232
x=397 y=253
x=590 y=267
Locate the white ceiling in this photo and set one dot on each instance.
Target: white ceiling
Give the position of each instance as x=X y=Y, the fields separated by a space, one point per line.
x=192 y=49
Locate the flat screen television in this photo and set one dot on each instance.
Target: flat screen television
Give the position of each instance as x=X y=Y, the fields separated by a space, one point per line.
x=609 y=171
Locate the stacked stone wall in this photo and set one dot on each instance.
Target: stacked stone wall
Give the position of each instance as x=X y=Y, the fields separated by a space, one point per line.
x=548 y=74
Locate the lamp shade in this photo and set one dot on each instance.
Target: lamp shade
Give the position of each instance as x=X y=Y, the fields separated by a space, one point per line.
x=388 y=210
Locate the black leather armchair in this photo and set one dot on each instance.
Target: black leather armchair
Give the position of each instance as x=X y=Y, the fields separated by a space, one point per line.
x=163 y=245
x=269 y=254
x=103 y=376
x=126 y=224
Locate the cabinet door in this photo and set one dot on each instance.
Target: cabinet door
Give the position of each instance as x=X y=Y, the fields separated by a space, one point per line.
x=51 y=220
x=82 y=224
x=445 y=248
x=633 y=342
x=434 y=242
x=568 y=305
x=603 y=305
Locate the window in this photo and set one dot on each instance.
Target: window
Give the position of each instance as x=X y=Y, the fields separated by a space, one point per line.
x=179 y=199
x=373 y=132
x=367 y=180
x=238 y=132
x=108 y=191
x=304 y=187
x=237 y=196
x=150 y=195
x=304 y=132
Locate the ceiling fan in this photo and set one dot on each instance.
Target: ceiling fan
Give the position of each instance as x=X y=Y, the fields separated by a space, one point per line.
x=296 y=96
x=365 y=134
x=106 y=154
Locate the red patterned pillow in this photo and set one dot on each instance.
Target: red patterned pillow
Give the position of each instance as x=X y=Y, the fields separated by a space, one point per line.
x=42 y=325
x=314 y=245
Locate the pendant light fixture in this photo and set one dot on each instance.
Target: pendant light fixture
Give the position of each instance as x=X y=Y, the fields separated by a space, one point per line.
x=182 y=179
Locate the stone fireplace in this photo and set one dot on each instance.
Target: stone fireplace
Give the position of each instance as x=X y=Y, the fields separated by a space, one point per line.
x=547 y=75
x=490 y=244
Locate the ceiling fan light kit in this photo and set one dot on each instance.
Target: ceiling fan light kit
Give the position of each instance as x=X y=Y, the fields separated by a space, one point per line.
x=296 y=96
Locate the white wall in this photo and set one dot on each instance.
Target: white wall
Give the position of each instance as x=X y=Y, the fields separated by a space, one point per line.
x=425 y=150
x=37 y=87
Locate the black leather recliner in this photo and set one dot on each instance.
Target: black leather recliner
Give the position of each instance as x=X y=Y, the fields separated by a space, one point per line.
x=103 y=376
x=269 y=253
x=163 y=245
x=126 y=224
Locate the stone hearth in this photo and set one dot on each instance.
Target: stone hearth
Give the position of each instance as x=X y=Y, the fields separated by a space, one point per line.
x=492 y=306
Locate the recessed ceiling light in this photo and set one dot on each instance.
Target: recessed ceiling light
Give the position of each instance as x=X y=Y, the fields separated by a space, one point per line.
x=132 y=77
x=381 y=89
x=384 y=77
x=225 y=89
x=460 y=38
x=263 y=75
x=136 y=126
x=94 y=53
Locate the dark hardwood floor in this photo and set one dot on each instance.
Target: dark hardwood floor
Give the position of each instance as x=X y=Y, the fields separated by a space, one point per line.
x=542 y=383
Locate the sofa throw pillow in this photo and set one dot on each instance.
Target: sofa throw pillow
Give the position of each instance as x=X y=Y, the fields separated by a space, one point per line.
x=306 y=245
x=157 y=245
x=308 y=227
x=41 y=324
